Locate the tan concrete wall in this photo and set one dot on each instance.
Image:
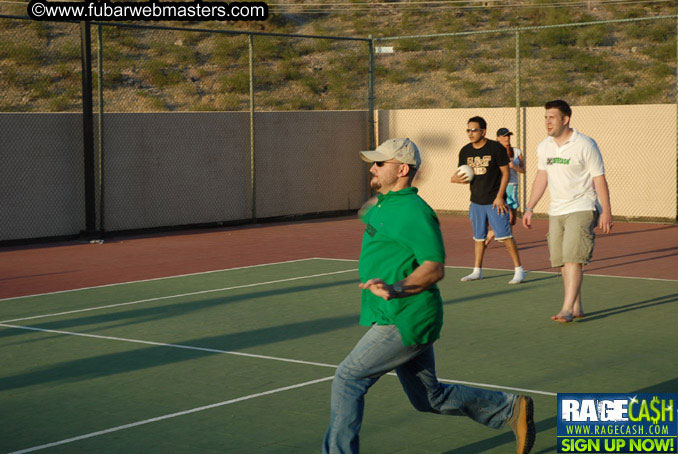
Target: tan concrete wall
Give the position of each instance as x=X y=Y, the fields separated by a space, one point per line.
x=187 y=168
x=626 y=135
x=638 y=144
x=440 y=134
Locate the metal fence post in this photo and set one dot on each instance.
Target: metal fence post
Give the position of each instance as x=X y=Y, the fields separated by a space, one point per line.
x=100 y=80
x=370 y=98
x=88 y=128
x=253 y=185
x=522 y=177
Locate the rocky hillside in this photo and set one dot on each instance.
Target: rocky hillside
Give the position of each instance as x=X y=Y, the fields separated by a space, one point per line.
x=161 y=70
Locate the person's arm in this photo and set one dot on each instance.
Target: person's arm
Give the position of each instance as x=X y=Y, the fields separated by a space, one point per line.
x=459 y=178
x=538 y=189
x=520 y=168
x=499 y=203
x=422 y=278
x=605 y=221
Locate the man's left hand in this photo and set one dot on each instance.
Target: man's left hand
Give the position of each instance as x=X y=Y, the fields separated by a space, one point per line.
x=378 y=287
x=499 y=205
x=605 y=222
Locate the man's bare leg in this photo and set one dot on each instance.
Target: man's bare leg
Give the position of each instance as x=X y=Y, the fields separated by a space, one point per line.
x=489 y=237
x=572 y=279
x=519 y=273
x=479 y=251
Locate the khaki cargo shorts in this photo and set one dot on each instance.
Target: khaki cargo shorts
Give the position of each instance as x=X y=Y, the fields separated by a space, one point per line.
x=571 y=237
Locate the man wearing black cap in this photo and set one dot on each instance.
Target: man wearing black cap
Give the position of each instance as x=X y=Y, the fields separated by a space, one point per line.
x=516 y=166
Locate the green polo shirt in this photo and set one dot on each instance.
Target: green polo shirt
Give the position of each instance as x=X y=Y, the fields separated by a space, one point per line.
x=402 y=232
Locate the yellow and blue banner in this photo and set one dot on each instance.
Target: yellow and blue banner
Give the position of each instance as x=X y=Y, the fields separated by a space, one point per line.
x=617 y=423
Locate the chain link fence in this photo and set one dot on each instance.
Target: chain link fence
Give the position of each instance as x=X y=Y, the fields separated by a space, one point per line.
x=621 y=76
x=168 y=157
x=39 y=72
x=203 y=126
x=178 y=116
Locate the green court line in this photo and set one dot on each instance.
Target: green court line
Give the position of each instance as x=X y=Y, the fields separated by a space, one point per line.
x=169 y=416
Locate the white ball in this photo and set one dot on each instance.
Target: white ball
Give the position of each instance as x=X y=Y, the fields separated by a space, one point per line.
x=466 y=170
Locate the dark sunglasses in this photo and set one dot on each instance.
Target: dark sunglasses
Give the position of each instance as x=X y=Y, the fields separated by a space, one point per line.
x=381 y=163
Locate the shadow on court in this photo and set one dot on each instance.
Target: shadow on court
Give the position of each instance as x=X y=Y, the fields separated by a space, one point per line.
x=155 y=356
x=649 y=259
x=658 y=301
x=145 y=314
x=507 y=438
x=149 y=357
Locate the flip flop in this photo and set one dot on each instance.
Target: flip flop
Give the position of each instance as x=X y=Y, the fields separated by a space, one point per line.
x=561 y=319
x=579 y=316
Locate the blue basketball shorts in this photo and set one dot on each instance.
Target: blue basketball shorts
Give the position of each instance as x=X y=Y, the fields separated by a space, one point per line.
x=480 y=215
x=512 y=196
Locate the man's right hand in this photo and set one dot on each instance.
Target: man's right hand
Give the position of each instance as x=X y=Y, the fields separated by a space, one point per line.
x=527 y=219
x=459 y=178
x=379 y=288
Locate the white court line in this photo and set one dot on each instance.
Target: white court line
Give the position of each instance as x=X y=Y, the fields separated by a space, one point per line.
x=201 y=292
x=528 y=271
x=172 y=415
x=487 y=385
x=155 y=279
x=162 y=344
x=250 y=355
x=293 y=261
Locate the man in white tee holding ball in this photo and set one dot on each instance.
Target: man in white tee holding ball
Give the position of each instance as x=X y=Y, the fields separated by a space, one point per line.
x=571 y=166
x=490 y=164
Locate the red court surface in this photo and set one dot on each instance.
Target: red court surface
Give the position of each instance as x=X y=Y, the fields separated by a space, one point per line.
x=638 y=250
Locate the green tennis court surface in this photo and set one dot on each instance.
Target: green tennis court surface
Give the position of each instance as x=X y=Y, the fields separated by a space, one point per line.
x=240 y=360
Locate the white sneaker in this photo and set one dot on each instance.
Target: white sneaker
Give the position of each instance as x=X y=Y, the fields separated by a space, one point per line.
x=517 y=278
x=472 y=277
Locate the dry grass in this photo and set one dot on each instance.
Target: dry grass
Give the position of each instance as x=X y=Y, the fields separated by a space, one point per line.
x=181 y=70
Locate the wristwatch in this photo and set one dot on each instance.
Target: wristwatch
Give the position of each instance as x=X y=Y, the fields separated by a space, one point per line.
x=529 y=209
x=397 y=289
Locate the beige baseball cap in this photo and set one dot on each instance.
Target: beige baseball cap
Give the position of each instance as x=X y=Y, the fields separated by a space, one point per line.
x=403 y=150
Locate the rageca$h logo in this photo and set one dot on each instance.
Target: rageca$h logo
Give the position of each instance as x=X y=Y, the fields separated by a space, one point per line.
x=632 y=409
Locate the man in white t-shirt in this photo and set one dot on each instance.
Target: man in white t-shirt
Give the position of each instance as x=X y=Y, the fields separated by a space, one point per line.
x=571 y=165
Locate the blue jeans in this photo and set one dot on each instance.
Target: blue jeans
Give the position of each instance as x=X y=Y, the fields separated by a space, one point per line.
x=381 y=350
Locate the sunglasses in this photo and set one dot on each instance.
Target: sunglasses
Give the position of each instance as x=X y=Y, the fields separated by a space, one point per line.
x=473 y=130
x=381 y=163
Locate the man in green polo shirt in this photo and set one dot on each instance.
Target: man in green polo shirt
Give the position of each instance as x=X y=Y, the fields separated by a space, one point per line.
x=401 y=260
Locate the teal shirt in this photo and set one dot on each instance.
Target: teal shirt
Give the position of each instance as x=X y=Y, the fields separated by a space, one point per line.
x=402 y=232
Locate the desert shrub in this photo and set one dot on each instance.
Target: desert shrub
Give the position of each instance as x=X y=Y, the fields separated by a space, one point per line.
x=160 y=74
x=236 y=83
x=482 y=67
x=596 y=36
